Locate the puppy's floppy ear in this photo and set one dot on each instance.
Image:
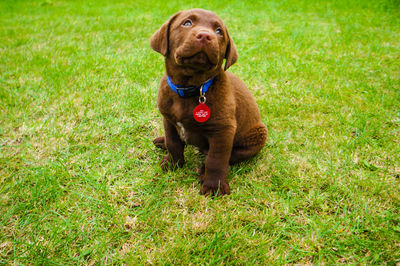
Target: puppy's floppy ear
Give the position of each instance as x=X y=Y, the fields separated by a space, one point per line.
x=159 y=40
x=231 y=54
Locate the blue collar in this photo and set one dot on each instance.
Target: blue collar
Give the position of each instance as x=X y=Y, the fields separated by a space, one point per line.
x=189 y=91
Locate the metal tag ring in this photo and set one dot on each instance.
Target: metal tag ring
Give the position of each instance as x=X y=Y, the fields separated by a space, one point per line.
x=202 y=99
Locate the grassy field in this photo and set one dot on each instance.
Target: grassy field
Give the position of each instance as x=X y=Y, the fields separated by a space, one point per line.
x=79 y=177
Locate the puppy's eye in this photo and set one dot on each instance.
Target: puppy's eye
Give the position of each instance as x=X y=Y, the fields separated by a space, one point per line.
x=187 y=23
x=218 y=31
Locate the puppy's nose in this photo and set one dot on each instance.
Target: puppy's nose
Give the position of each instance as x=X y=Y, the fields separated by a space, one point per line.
x=203 y=36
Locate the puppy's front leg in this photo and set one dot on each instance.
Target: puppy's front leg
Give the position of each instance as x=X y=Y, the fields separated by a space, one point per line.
x=217 y=164
x=175 y=147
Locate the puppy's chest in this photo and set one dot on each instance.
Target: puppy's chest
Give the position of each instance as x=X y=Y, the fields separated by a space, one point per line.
x=191 y=134
x=184 y=121
x=178 y=111
x=181 y=131
x=180 y=114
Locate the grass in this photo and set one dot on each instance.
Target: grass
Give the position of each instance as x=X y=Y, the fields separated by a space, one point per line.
x=79 y=177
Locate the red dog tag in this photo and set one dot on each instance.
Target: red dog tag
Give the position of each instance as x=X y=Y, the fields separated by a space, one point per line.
x=201 y=113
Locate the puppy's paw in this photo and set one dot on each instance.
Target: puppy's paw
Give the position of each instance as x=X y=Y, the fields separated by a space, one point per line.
x=168 y=164
x=215 y=187
x=160 y=143
x=165 y=163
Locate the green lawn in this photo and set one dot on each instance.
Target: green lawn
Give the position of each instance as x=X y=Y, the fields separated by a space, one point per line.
x=80 y=181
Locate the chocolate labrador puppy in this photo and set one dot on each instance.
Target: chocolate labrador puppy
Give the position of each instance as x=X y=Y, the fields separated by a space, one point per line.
x=201 y=103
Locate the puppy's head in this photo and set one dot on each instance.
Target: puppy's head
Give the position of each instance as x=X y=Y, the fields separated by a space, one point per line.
x=196 y=39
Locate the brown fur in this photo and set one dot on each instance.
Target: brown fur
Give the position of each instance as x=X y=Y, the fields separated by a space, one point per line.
x=194 y=54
